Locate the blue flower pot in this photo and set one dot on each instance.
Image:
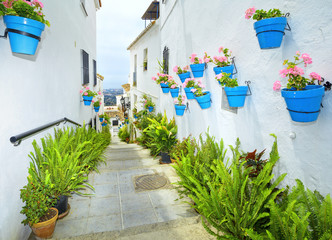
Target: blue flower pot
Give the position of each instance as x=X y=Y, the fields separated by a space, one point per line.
x=96 y=109
x=20 y=43
x=164 y=87
x=189 y=94
x=236 y=95
x=227 y=69
x=101 y=119
x=135 y=116
x=204 y=101
x=270 y=32
x=150 y=109
x=184 y=76
x=104 y=124
x=179 y=109
x=197 y=69
x=175 y=92
x=304 y=105
x=87 y=100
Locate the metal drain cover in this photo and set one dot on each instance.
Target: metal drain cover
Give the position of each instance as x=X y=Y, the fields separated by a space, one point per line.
x=150 y=182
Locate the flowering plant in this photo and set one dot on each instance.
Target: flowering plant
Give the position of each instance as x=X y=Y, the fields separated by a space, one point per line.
x=189 y=82
x=180 y=100
x=198 y=88
x=23 y=8
x=225 y=80
x=195 y=60
x=87 y=92
x=262 y=14
x=147 y=102
x=101 y=115
x=222 y=61
x=162 y=78
x=172 y=84
x=178 y=69
x=294 y=73
x=96 y=103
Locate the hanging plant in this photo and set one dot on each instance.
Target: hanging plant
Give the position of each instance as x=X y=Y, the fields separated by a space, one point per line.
x=87 y=95
x=189 y=84
x=182 y=73
x=198 y=65
x=223 y=62
x=180 y=105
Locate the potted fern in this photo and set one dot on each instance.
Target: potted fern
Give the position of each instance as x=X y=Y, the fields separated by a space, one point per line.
x=25 y=23
x=270 y=26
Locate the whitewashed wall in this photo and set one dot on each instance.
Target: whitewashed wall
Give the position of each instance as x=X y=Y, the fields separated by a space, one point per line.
x=190 y=26
x=151 y=41
x=39 y=89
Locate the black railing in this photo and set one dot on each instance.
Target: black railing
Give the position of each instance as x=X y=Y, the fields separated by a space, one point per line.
x=16 y=140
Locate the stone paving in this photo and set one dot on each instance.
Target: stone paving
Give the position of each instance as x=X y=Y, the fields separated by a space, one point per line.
x=115 y=206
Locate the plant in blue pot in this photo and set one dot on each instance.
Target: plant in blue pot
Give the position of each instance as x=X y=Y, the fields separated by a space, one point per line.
x=87 y=95
x=163 y=81
x=174 y=89
x=223 y=63
x=25 y=23
x=189 y=84
x=180 y=106
x=270 y=26
x=198 y=65
x=303 y=98
x=182 y=72
x=203 y=98
x=148 y=104
x=236 y=95
x=96 y=105
x=101 y=117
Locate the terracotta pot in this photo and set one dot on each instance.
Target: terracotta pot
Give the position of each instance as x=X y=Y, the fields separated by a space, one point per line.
x=45 y=229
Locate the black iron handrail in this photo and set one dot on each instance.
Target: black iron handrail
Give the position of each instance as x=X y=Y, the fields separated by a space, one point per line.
x=16 y=140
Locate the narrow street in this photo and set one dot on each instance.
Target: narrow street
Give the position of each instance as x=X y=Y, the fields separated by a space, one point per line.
x=122 y=207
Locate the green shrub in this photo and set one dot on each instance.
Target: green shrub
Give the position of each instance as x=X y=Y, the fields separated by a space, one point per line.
x=181 y=147
x=123 y=134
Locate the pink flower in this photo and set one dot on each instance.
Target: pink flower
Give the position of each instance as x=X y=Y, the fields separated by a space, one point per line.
x=87 y=88
x=219 y=76
x=250 y=12
x=183 y=98
x=175 y=101
x=175 y=69
x=192 y=58
x=184 y=85
x=306 y=59
x=27 y=2
x=40 y=13
x=99 y=93
x=154 y=78
x=85 y=94
x=36 y=2
x=7 y=4
x=193 y=90
x=81 y=91
x=186 y=68
x=276 y=86
x=220 y=49
x=145 y=101
x=93 y=101
x=207 y=60
x=99 y=103
x=173 y=86
x=298 y=53
x=200 y=60
x=162 y=82
x=315 y=76
x=158 y=74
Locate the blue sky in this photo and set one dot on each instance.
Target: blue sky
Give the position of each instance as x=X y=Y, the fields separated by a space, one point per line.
x=118 y=24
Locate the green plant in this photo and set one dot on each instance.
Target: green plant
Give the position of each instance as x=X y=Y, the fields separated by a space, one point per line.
x=124 y=134
x=162 y=133
x=38 y=198
x=178 y=70
x=22 y=8
x=181 y=148
x=262 y=14
x=147 y=101
x=145 y=64
x=102 y=115
x=97 y=103
x=225 y=80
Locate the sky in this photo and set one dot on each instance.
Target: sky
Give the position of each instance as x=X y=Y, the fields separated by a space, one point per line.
x=118 y=24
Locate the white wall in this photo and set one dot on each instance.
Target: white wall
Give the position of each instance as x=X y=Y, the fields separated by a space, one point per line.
x=194 y=27
x=37 y=90
x=151 y=41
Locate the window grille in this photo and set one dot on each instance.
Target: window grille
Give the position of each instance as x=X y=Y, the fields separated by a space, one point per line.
x=165 y=59
x=85 y=67
x=94 y=73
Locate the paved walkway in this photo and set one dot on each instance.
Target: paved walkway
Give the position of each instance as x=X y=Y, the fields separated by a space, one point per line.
x=117 y=211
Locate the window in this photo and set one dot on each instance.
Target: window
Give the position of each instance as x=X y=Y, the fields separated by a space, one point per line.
x=165 y=59
x=135 y=71
x=145 y=59
x=85 y=67
x=94 y=73
x=83 y=7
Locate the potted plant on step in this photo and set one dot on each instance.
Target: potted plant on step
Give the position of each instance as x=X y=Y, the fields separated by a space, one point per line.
x=223 y=62
x=87 y=95
x=198 y=65
x=180 y=105
x=182 y=73
x=270 y=26
x=163 y=81
x=189 y=84
x=303 y=98
x=40 y=216
x=163 y=135
x=203 y=98
x=236 y=94
x=25 y=23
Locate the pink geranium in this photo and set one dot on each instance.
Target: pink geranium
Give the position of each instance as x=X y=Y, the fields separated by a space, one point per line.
x=175 y=69
x=81 y=91
x=86 y=93
x=173 y=86
x=315 y=76
x=250 y=12
x=276 y=86
x=154 y=78
x=306 y=59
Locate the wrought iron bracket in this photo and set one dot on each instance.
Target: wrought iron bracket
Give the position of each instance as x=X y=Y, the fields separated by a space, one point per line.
x=289 y=28
x=233 y=62
x=8 y=30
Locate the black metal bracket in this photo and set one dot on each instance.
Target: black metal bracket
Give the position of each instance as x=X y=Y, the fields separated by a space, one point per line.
x=289 y=28
x=233 y=62
x=248 y=83
x=8 y=30
x=187 y=108
x=327 y=85
x=302 y=112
